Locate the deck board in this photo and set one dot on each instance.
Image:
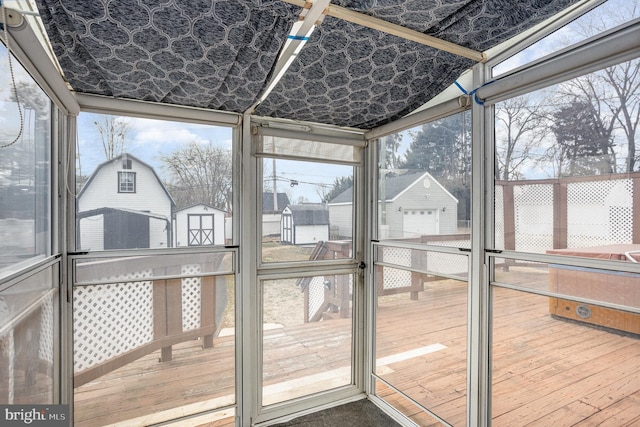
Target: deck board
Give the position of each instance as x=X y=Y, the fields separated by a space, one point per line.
x=545 y=371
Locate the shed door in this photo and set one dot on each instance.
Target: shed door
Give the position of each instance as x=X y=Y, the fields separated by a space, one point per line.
x=419 y=222
x=287 y=228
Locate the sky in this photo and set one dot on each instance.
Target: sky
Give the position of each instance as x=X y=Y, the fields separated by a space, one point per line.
x=606 y=16
x=147 y=139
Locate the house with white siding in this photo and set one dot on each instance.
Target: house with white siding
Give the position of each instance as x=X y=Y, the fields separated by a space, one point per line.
x=199 y=225
x=124 y=205
x=415 y=204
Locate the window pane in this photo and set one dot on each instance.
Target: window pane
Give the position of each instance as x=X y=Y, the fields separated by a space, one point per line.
x=566 y=164
x=139 y=180
x=155 y=338
x=127 y=182
x=547 y=370
x=424 y=187
x=421 y=331
x=307 y=336
x=307 y=211
x=29 y=339
x=25 y=183
x=598 y=297
x=606 y=16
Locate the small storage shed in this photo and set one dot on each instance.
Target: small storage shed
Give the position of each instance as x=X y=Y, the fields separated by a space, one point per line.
x=199 y=225
x=304 y=224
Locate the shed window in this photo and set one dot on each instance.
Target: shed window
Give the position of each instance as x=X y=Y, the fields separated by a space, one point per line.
x=126 y=182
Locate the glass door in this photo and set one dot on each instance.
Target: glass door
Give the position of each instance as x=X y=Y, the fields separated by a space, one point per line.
x=307 y=275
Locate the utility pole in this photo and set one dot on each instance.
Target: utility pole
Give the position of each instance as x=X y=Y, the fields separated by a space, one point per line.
x=275 y=191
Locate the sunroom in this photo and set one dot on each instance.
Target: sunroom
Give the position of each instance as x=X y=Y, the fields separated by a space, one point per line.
x=476 y=161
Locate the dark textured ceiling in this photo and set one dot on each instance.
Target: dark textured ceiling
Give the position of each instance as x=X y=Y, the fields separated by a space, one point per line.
x=221 y=54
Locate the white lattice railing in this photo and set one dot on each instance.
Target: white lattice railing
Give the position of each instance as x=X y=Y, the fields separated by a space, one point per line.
x=111 y=319
x=393 y=278
x=327 y=295
x=131 y=314
x=396 y=280
x=315 y=296
x=333 y=293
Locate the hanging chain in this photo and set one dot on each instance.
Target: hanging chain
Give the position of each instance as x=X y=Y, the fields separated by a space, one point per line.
x=13 y=79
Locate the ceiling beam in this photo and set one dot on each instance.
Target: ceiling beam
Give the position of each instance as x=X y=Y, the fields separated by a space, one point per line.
x=396 y=30
x=296 y=40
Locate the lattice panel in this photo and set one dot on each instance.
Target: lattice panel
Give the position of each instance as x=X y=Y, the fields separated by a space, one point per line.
x=599 y=212
x=499 y=217
x=316 y=295
x=45 y=352
x=394 y=278
x=446 y=263
x=533 y=211
x=191 y=297
x=111 y=319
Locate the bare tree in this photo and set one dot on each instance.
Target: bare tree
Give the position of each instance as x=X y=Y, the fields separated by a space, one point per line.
x=113 y=135
x=521 y=127
x=200 y=173
x=624 y=80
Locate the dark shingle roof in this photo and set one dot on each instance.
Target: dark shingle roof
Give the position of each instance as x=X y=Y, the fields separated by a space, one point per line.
x=394 y=185
x=267 y=202
x=309 y=214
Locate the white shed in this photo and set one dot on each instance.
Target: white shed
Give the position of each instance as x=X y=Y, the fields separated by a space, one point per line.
x=124 y=205
x=305 y=224
x=199 y=225
x=415 y=204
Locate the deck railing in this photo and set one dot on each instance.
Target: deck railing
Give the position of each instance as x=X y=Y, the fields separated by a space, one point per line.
x=329 y=297
x=141 y=306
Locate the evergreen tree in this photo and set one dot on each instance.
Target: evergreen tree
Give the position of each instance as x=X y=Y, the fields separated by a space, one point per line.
x=585 y=144
x=339 y=186
x=443 y=148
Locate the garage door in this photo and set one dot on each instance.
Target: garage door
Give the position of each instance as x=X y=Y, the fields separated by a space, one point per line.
x=419 y=222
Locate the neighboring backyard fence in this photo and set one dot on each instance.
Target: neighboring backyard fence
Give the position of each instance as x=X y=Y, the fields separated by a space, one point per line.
x=534 y=216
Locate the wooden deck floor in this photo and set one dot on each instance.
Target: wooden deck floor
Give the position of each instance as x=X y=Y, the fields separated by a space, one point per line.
x=545 y=371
